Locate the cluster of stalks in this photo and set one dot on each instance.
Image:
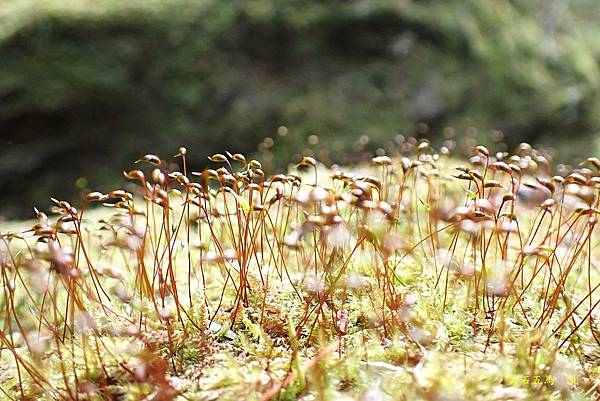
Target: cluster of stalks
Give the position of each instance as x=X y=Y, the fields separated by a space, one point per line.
x=188 y=256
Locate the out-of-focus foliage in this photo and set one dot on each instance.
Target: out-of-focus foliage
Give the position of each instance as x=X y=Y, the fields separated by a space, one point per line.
x=89 y=85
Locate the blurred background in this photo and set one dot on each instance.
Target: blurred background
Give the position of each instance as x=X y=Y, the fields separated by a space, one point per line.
x=88 y=86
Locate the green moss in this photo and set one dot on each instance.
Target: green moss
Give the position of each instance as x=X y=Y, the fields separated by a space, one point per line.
x=224 y=75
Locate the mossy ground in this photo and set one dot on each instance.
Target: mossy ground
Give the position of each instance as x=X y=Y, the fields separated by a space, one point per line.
x=401 y=280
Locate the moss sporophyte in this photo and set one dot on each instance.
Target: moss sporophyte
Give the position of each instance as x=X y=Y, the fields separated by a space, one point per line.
x=436 y=276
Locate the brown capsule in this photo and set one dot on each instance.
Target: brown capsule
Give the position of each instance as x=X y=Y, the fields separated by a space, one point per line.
x=382 y=161
x=476 y=173
x=358 y=193
x=182 y=151
x=307 y=161
x=530 y=164
x=294 y=177
x=423 y=146
x=493 y=184
x=337 y=219
x=158 y=201
x=367 y=204
x=328 y=211
x=183 y=180
x=586 y=210
x=95 y=196
x=158 y=177
x=385 y=208
x=483 y=150
x=548 y=204
x=222 y=171
x=218 y=158
x=577 y=178
x=319 y=194
x=43 y=230
x=199 y=192
x=593 y=161
x=477 y=160
x=279 y=178
x=242 y=178
x=546 y=183
x=121 y=205
x=459 y=213
x=41 y=216
x=478 y=214
x=229 y=179
x=318 y=221
x=583 y=192
x=373 y=181
x=340 y=175
x=363 y=187
x=65 y=205
x=239 y=157
x=174 y=176
x=514 y=159
x=532 y=194
x=210 y=173
x=501 y=166
x=464 y=176
x=119 y=193
x=150 y=159
x=161 y=194
x=508 y=227
x=255 y=164
x=344 y=197
x=509 y=197
x=485 y=205
x=543 y=161
x=134 y=175
x=516 y=169
x=524 y=147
